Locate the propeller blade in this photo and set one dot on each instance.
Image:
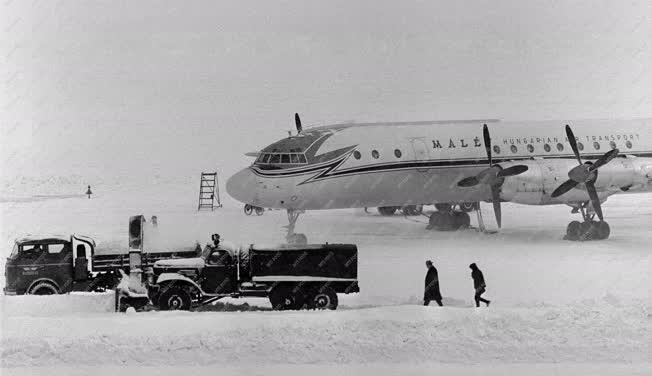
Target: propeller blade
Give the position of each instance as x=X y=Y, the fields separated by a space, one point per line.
x=573 y=143
x=495 y=197
x=595 y=200
x=604 y=159
x=468 y=182
x=563 y=188
x=297 y=121
x=487 y=142
x=511 y=171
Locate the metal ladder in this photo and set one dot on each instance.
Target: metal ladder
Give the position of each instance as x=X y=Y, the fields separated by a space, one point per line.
x=209 y=191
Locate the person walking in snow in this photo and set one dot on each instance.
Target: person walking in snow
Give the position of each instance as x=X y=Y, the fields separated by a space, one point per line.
x=431 y=291
x=479 y=285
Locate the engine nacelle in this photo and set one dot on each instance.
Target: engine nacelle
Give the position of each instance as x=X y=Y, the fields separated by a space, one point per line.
x=543 y=176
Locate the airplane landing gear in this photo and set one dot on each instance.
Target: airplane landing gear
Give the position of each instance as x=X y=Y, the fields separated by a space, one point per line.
x=447 y=219
x=590 y=229
x=291 y=237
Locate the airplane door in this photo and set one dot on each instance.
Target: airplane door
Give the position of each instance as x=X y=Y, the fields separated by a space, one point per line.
x=421 y=152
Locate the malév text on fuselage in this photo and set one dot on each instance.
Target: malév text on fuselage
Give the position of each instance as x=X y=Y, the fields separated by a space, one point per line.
x=386 y=165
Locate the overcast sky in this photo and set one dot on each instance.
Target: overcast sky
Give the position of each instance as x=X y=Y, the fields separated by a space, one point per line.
x=120 y=88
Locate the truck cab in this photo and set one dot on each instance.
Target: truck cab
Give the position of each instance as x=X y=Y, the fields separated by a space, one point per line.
x=48 y=264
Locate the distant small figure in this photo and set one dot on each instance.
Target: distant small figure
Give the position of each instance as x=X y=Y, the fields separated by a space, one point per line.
x=89 y=192
x=431 y=291
x=479 y=285
x=154 y=221
x=216 y=240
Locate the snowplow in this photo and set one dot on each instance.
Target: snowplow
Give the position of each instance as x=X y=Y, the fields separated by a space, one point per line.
x=290 y=276
x=59 y=264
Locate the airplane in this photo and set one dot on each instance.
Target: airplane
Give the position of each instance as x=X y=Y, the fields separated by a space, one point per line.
x=454 y=164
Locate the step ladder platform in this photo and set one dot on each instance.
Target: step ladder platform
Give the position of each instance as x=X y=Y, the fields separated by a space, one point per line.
x=209 y=195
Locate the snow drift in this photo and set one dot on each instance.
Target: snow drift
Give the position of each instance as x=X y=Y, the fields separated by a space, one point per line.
x=384 y=334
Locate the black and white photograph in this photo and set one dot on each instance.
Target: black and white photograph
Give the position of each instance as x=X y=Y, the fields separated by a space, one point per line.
x=306 y=187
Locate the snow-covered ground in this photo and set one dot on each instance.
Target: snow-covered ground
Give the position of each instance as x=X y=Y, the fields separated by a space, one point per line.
x=557 y=307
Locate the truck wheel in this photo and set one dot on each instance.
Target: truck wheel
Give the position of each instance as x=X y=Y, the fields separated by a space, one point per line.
x=282 y=299
x=43 y=288
x=260 y=211
x=325 y=299
x=248 y=209
x=174 y=299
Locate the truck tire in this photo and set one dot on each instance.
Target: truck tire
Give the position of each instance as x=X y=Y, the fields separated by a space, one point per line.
x=174 y=299
x=281 y=298
x=43 y=288
x=324 y=299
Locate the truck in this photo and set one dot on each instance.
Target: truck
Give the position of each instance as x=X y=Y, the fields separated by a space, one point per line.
x=290 y=276
x=59 y=264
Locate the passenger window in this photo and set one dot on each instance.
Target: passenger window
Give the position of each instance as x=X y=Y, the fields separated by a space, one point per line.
x=560 y=147
x=285 y=158
x=628 y=144
x=275 y=158
x=302 y=158
x=612 y=144
x=530 y=148
x=580 y=146
x=596 y=145
x=397 y=153
x=546 y=147
x=513 y=148
x=496 y=149
x=294 y=158
x=55 y=248
x=357 y=155
x=32 y=251
x=375 y=154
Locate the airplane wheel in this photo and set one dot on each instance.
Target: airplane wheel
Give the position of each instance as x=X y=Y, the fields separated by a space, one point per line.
x=434 y=221
x=574 y=230
x=387 y=210
x=248 y=209
x=461 y=220
x=601 y=230
x=259 y=211
x=586 y=231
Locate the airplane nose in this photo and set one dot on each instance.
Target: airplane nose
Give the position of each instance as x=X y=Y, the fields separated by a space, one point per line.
x=242 y=186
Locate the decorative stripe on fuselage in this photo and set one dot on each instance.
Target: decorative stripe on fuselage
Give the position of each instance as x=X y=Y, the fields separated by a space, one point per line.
x=329 y=169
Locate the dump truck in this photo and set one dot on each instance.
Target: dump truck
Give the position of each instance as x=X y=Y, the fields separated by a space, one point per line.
x=290 y=276
x=58 y=264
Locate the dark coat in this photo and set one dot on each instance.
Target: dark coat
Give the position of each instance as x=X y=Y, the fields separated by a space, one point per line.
x=478 y=278
x=431 y=290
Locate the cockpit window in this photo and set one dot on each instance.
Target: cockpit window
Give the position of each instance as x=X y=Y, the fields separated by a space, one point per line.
x=275 y=158
x=281 y=158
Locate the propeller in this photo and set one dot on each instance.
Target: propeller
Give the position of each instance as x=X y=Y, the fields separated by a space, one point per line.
x=297 y=121
x=494 y=176
x=584 y=173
